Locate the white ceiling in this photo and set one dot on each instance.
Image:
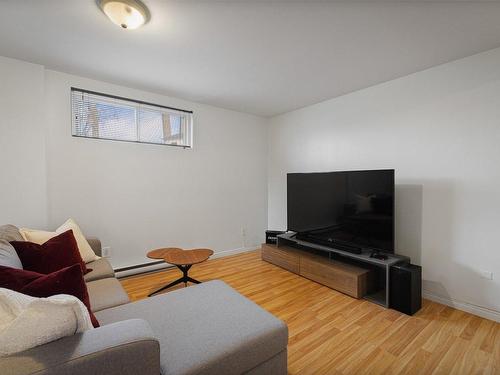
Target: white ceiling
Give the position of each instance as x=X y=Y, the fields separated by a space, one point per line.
x=264 y=58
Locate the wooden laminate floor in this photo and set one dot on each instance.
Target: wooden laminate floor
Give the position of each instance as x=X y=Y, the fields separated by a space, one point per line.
x=331 y=333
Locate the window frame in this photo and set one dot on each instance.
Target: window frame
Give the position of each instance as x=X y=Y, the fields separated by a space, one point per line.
x=134 y=103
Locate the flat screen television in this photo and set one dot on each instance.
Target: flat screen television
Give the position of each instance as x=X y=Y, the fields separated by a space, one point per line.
x=349 y=210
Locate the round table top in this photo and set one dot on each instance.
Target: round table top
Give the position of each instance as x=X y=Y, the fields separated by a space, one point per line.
x=174 y=255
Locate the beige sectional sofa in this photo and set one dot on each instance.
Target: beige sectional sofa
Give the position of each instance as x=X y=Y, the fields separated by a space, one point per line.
x=204 y=329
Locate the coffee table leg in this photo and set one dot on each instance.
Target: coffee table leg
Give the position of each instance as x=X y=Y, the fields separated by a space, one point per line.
x=185 y=276
x=184 y=279
x=193 y=280
x=185 y=270
x=178 y=281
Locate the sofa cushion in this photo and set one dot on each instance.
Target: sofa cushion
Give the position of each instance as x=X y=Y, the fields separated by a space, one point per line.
x=8 y=255
x=206 y=329
x=101 y=269
x=58 y=252
x=10 y=232
x=106 y=293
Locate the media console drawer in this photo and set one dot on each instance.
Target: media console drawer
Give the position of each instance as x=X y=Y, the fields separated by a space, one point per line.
x=287 y=259
x=345 y=278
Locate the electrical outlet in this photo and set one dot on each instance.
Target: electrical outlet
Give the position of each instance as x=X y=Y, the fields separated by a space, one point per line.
x=488 y=275
x=106 y=251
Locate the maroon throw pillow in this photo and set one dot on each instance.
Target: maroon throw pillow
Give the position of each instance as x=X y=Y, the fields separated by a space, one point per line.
x=58 y=252
x=68 y=280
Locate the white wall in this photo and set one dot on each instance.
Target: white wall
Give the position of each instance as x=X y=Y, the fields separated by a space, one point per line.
x=137 y=197
x=23 y=195
x=440 y=130
x=134 y=197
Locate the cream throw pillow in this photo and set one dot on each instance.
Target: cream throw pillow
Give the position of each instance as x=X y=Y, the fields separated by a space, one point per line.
x=36 y=236
x=86 y=251
x=41 y=236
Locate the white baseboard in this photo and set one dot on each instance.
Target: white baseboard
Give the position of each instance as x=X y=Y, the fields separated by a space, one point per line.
x=226 y=253
x=156 y=267
x=483 y=312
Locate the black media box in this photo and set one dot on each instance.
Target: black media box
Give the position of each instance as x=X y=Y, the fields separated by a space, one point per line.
x=271 y=236
x=406 y=288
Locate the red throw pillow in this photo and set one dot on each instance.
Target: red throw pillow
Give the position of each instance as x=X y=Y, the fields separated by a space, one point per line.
x=58 y=252
x=68 y=280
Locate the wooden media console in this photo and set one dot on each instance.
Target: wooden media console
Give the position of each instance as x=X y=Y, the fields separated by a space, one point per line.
x=358 y=275
x=345 y=278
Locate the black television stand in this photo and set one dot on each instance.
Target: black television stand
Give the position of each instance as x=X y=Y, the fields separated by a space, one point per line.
x=378 y=255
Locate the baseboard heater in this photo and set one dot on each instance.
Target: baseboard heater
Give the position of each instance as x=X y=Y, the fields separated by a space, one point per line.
x=140 y=268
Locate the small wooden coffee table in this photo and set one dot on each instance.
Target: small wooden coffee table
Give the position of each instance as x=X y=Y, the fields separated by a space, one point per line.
x=183 y=259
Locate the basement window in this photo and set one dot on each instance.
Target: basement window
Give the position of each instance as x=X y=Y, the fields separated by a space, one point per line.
x=101 y=116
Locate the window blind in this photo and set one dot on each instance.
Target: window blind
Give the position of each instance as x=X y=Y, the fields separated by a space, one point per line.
x=96 y=115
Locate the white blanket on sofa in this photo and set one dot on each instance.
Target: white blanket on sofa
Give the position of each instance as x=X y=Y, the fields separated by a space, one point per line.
x=27 y=321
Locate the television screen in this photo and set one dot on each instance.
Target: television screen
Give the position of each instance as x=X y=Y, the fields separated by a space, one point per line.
x=352 y=209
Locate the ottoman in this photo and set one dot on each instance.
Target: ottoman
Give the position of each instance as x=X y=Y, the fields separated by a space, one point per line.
x=209 y=329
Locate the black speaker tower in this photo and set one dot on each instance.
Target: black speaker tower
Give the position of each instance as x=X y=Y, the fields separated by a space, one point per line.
x=405 y=288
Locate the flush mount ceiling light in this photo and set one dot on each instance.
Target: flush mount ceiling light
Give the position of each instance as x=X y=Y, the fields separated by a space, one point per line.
x=128 y=14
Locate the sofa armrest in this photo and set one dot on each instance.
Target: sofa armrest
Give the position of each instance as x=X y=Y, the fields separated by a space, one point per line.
x=126 y=347
x=95 y=244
